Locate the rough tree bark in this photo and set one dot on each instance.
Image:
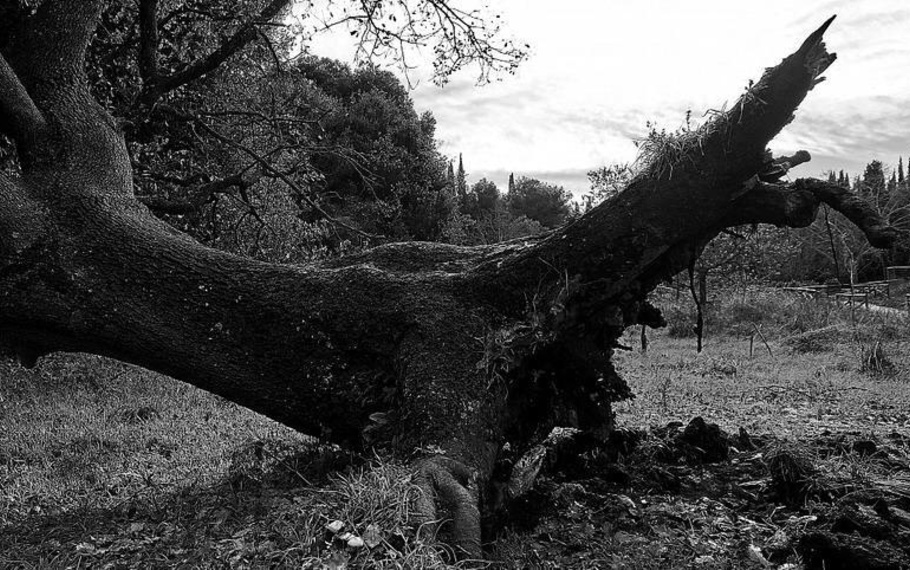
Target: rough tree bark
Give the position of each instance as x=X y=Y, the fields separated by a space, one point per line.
x=434 y=353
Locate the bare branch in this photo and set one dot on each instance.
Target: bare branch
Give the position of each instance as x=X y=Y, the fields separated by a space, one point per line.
x=268 y=43
x=268 y=169
x=148 y=41
x=281 y=176
x=246 y=33
x=458 y=37
x=198 y=196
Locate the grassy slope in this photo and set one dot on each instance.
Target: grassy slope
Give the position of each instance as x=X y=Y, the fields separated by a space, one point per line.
x=104 y=465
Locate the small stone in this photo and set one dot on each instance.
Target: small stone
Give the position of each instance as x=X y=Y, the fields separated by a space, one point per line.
x=345 y=536
x=334 y=527
x=355 y=542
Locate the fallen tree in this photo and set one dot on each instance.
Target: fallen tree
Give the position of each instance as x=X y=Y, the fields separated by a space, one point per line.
x=430 y=352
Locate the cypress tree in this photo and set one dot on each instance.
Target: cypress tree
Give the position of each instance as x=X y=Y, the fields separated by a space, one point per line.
x=461 y=185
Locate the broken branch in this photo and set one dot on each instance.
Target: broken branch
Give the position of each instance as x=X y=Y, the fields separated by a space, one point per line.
x=795 y=205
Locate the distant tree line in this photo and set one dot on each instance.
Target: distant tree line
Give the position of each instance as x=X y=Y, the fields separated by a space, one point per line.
x=485 y=214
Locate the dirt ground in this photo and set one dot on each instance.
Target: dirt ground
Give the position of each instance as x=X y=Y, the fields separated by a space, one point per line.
x=695 y=497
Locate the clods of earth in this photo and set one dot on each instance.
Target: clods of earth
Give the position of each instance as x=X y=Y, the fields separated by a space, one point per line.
x=693 y=496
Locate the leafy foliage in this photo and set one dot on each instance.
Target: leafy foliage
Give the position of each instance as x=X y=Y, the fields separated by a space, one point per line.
x=606 y=182
x=248 y=150
x=377 y=157
x=547 y=204
x=483 y=199
x=262 y=153
x=485 y=216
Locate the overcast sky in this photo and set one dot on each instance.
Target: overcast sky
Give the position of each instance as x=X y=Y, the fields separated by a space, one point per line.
x=601 y=69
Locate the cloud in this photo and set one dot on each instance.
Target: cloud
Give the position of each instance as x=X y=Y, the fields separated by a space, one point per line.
x=601 y=71
x=522 y=127
x=852 y=133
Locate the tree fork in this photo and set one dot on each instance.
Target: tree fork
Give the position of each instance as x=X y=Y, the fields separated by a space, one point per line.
x=450 y=351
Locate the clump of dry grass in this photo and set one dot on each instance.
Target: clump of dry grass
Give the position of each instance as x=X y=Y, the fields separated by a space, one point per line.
x=819 y=340
x=662 y=153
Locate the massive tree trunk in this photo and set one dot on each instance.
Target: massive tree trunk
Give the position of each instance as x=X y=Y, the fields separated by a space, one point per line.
x=436 y=353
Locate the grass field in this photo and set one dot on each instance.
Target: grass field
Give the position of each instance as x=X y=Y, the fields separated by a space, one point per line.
x=103 y=465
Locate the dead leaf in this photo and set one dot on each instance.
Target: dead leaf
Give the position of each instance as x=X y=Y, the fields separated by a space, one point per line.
x=372 y=536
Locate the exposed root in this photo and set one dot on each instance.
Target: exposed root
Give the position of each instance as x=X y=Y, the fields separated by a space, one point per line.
x=450 y=505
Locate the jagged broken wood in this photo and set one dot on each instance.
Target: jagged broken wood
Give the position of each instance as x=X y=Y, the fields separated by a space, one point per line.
x=434 y=353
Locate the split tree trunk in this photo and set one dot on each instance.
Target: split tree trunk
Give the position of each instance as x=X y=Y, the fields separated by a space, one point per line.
x=450 y=351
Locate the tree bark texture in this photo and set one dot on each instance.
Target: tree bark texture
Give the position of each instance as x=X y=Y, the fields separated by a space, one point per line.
x=436 y=353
